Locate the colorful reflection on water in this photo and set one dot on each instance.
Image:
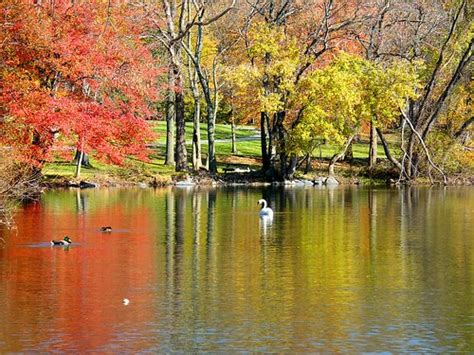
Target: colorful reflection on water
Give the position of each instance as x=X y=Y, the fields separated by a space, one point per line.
x=336 y=270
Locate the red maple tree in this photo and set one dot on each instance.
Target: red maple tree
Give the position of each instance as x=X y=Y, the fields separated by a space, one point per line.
x=77 y=70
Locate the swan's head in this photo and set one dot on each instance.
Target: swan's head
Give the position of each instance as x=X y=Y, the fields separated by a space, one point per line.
x=262 y=202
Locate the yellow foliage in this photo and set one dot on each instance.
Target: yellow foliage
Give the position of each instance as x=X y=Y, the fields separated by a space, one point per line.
x=338 y=99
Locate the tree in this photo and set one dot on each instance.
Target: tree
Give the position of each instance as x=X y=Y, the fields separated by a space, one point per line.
x=338 y=99
x=74 y=71
x=207 y=80
x=285 y=42
x=167 y=25
x=437 y=34
x=454 y=57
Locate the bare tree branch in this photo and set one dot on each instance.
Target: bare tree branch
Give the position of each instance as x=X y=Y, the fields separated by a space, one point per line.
x=425 y=148
x=431 y=82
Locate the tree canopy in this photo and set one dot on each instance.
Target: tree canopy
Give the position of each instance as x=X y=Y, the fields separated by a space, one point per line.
x=88 y=75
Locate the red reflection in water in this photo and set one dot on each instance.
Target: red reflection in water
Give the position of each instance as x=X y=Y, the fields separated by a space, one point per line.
x=63 y=298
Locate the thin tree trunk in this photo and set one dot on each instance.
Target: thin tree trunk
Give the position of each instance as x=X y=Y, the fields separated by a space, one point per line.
x=197 y=159
x=287 y=166
x=425 y=148
x=170 y=118
x=181 y=157
x=463 y=129
x=232 y=132
x=411 y=159
x=85 y=158
x=263 y=141
x=211 y=122
x=373 y=146
x=349 y=155
x=339 y=156
x=307 y=168
x=174 y=49
x=463 y=63
x=193 y=79
x=206 y=90
x=79 y=164
x=387 y=150
x=291 y=169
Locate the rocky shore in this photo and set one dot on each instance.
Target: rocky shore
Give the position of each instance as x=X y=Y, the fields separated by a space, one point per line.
x=252 y=178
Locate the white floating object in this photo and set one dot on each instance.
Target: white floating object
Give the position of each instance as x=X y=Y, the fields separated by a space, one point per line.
x=126 y=301
x=265 y=211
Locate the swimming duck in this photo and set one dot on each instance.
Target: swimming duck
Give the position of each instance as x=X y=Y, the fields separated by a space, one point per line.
x=66 y=241
x=106 y=229
x=265 y=211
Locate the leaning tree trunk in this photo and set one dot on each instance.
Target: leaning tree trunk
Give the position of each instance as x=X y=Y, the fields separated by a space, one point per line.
x=339 y=156
x=193 y=83
x=462 y=134
x=373 y=146
x=386 y=149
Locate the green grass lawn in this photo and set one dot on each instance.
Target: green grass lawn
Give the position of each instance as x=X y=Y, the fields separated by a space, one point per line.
x=223 y=131
x=134 y=168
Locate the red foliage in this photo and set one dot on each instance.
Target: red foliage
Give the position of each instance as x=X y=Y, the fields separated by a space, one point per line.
x=78 y=69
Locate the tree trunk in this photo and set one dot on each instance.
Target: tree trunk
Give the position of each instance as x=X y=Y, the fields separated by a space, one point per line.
x=339 y=156
x=373 y=146
x=197 y=159
x=291 y=168
x=79 y=164
x=462 y=133
x=211 y=152
x=181 y=157
x=425 y=148
x=308 y=168
x=85 y=158
x=387 y=150
x=349 y=155
x=170 y=118
x=206 y=90
x=411 y=160
x=286 y=163
x=263 y=141
x=232 y=132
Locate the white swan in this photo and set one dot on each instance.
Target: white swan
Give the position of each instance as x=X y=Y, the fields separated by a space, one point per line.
x=265 y=211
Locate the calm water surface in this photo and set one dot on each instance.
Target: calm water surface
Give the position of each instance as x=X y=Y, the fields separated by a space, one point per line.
x=338 y=270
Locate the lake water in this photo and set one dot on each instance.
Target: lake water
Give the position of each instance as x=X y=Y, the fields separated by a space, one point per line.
x=338 y=270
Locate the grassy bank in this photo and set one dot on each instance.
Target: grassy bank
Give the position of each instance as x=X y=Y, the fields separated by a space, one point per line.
x=249 y=153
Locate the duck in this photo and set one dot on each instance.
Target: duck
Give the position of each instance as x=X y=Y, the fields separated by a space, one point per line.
x=265 y=211
x=106 y=229
x=66 y=241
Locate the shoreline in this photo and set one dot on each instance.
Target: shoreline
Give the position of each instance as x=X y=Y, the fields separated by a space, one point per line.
x=252 y=179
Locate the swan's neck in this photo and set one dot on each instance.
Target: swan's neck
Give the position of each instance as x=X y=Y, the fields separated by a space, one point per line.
x=264 y=204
